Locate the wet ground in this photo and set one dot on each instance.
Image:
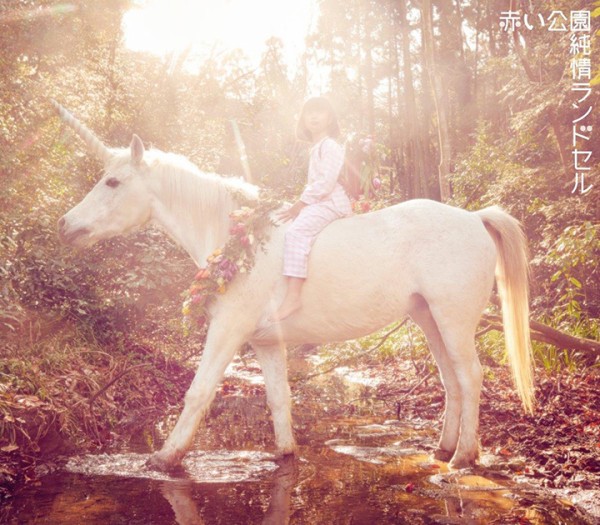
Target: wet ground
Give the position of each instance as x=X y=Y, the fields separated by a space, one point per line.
x=353 y=468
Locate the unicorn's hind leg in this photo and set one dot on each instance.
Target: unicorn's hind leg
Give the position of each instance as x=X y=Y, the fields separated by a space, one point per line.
x=421 y=315
x=458 y=335
x=273 y=361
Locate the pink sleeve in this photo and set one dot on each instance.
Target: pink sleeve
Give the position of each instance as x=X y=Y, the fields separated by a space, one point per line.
x=327 y=164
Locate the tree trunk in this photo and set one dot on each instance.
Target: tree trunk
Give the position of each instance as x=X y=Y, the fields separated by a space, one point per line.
x=392 y=75
x=440 y=101
x=369 y=81
x=428 y=179
x=411 y=126
x=476 y=63
x=415 y=155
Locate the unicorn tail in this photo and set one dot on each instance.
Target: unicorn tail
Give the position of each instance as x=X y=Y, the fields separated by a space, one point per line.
x=512 y=276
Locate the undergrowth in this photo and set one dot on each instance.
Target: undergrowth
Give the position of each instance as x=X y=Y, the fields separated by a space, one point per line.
x=406 y=341
x=67 y=392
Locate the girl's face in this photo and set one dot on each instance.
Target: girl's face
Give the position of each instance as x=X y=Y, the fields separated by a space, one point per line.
x=317 y=122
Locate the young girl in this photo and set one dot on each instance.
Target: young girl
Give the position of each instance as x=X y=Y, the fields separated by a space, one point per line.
x=322 y=201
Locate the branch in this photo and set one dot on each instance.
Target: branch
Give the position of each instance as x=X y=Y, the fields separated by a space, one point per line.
x=113 y=381
x=545 y=334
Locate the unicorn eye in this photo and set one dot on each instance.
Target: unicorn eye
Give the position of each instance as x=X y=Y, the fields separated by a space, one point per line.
x=112 y=182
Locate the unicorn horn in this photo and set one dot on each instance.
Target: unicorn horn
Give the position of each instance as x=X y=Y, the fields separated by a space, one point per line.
x=94 y=144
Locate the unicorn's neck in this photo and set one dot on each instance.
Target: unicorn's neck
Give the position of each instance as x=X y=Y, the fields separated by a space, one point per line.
x=193 y=208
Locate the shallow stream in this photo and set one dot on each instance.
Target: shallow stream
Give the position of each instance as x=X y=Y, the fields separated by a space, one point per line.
x=350 y=470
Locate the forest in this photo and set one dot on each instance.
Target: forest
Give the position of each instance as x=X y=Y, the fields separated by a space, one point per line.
x=469 y=102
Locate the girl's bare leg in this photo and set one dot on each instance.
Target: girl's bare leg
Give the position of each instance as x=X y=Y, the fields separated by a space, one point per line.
x=291 y=302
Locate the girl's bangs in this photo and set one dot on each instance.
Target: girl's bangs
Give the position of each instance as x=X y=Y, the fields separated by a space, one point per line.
x=317 y=104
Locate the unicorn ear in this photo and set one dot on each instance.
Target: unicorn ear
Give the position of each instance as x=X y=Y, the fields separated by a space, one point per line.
x=137 y=150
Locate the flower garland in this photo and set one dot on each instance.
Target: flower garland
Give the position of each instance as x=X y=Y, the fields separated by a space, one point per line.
x=247 y=230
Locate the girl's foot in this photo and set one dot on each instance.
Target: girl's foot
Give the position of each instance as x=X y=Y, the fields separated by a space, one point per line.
x=291 y=302
x=287 y=308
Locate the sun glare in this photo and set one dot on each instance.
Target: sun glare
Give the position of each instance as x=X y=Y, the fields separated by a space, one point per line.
x=163 y=27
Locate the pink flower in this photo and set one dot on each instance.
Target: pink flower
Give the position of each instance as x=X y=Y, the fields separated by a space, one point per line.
x=228 y=269
x=376 y=183
x=238 y=229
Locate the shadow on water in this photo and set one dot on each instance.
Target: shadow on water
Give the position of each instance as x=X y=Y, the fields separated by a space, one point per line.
x=350 y=469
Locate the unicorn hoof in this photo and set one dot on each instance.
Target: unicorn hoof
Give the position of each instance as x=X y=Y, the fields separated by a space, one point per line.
x=164 y=461
x=285 y=452
x=443 y=455
x=465 y=461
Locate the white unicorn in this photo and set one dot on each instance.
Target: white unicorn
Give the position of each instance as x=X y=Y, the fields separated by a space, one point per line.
x=421 y=258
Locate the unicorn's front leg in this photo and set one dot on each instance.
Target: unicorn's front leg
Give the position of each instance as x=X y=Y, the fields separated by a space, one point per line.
x=221 y=346
x=273 y=361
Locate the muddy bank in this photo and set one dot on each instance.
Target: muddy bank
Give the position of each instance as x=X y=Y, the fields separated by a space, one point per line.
x=559 y=445
x=557 y=448
x=80 y=398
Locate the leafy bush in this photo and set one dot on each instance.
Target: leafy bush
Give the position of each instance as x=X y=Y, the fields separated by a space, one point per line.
x=106 y=289
x=574 y=258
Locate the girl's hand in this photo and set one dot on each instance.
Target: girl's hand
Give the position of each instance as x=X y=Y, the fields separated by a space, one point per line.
x=290 y=213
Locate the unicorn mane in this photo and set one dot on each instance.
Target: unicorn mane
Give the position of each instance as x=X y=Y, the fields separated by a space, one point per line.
x=201 y=201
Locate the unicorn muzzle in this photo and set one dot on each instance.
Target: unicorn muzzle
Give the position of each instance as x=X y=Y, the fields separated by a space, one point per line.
x=70 y=236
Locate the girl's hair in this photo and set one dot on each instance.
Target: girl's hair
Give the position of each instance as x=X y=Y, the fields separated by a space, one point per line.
x=317 y=104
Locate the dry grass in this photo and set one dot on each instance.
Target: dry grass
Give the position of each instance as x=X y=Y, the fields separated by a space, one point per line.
x=60 y=391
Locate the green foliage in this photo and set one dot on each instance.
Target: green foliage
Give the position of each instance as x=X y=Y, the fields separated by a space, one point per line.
x=484 y=171
x=105 y=290
x=574 y=256
x=557 y=360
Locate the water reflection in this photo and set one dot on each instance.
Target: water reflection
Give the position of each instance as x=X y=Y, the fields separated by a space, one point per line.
x=284 y=481
x=335 y=483
x=180 y=496
x=180 y=489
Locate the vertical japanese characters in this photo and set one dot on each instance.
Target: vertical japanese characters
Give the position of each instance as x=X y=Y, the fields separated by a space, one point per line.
x=581 y=74
x=578 y=24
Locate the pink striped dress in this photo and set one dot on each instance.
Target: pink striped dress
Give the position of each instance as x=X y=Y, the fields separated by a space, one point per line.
x=327 y=201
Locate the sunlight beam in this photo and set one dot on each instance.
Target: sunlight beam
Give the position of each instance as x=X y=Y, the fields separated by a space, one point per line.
x=165 y=27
